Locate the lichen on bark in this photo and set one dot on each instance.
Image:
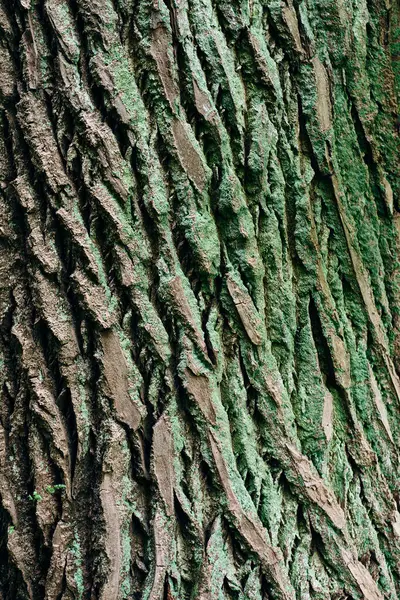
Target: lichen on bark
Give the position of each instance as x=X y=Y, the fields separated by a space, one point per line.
x=199 y=299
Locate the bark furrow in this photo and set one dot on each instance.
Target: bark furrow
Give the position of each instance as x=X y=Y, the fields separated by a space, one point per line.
x=199 y=300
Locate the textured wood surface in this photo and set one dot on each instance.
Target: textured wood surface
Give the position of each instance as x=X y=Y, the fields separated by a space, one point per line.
x=199 y=300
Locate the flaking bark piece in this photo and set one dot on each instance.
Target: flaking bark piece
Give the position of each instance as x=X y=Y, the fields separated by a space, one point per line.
x=247 y=311
x=163 y=452
x=198 y=387
x=362 y=576
x=324 y=106
x=94 y=299
x=315 y=489
x=252 y=530
x=117 y=380
x=113 y=538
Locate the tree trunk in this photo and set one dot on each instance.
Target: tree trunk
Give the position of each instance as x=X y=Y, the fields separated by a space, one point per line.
x=200 y=313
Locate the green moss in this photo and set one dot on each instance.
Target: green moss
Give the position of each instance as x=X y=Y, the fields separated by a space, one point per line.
x=75 y=550
x=58 y=487
x=35 y=497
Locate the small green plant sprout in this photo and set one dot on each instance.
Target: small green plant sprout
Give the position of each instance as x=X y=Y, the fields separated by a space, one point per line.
x=52 y=489
x=11 y=528
x=36 y=497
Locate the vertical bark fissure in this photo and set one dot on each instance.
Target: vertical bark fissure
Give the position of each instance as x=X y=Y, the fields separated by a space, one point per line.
x=200 y=300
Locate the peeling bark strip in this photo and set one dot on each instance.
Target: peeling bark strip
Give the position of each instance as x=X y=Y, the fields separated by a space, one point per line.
x=324 y=108
x=163 y=451
x=199 y=300
x=117 y=380
x=113 y=538
x=252 y=530
x=246 y=310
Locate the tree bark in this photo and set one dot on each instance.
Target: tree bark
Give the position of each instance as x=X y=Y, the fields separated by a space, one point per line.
x=199 y=299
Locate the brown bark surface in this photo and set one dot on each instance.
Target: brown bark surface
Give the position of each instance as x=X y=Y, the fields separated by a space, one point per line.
x=199 y=300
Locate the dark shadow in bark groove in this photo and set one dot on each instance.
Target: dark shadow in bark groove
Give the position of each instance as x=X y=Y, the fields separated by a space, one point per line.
x=324 y=354
x=49 y=346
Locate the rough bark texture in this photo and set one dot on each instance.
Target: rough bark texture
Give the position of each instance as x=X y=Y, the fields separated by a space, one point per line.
x=200 y=326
